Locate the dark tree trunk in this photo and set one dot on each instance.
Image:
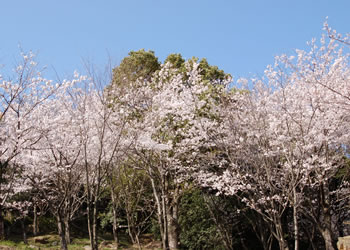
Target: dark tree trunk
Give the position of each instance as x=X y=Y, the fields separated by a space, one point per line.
x=165 y=220
x=115 y=227
x=94 y=225
x=35 y=221
x=61 y=232
x=295 y=219
x=326 y=230
x=67 y=229
x=91 y=210
x=283 y=244
x=88 y=210
x=115 y=221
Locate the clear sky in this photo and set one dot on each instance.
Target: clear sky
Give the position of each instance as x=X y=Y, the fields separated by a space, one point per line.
x=239 y=36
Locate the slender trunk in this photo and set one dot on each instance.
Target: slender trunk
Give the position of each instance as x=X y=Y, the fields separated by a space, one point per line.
x=115 y=228
x=159 y=213
x=295 y=219
x=94 y=225
x=263 y=235
x=67 y=229
x=283 y=244
x=90 y=209
x=89 y=221
x=60 y=227
x=268 y=244
x=164 y=212
x=115 y=221
x=138 y=242
x=259 y=226
x=35 y=221
x=24 y=232
x=280 y=235
x=130 y=229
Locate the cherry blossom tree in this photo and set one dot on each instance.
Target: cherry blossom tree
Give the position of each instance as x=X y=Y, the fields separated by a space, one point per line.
x=171 y=112
x=53 y=165
x=104 y=140
x=20 y=97
x=288 y=136
x=314 y=127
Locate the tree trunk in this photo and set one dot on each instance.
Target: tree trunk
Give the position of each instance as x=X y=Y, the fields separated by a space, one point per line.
x=165 y=222
x=159 y=213
x=35 y=221
x=264 y=235
x=115 y=227
x=172 y=219
x=173 y=237
x=115 y=221
x=94 y=225
x=130 y=227
x=60 y=227
x=88 y=210
x=283 y=244
x=67 y=229
x=91 y=209
x=295 y=219
x=326 y=230
x=326 y=234
x=138 y=242
x=280 y=235
x=24 y=232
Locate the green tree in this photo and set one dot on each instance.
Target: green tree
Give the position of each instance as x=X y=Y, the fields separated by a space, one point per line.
x=208 y=72
x=140 y=69
x=139 y=64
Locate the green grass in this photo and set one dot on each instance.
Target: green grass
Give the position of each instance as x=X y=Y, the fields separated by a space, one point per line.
x=7 y=244
x=52 y=242
x=48 y=241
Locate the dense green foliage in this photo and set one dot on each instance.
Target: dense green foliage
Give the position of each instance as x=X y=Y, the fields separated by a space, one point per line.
x=139 y=64
x=198 y=229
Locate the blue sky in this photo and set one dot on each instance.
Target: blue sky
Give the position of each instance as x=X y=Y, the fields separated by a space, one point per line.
x=241 y=37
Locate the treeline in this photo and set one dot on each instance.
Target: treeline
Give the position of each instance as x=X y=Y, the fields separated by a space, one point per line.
x=180 y=151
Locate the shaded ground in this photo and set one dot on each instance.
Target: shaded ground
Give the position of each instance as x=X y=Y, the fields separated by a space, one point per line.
x=51 y=241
